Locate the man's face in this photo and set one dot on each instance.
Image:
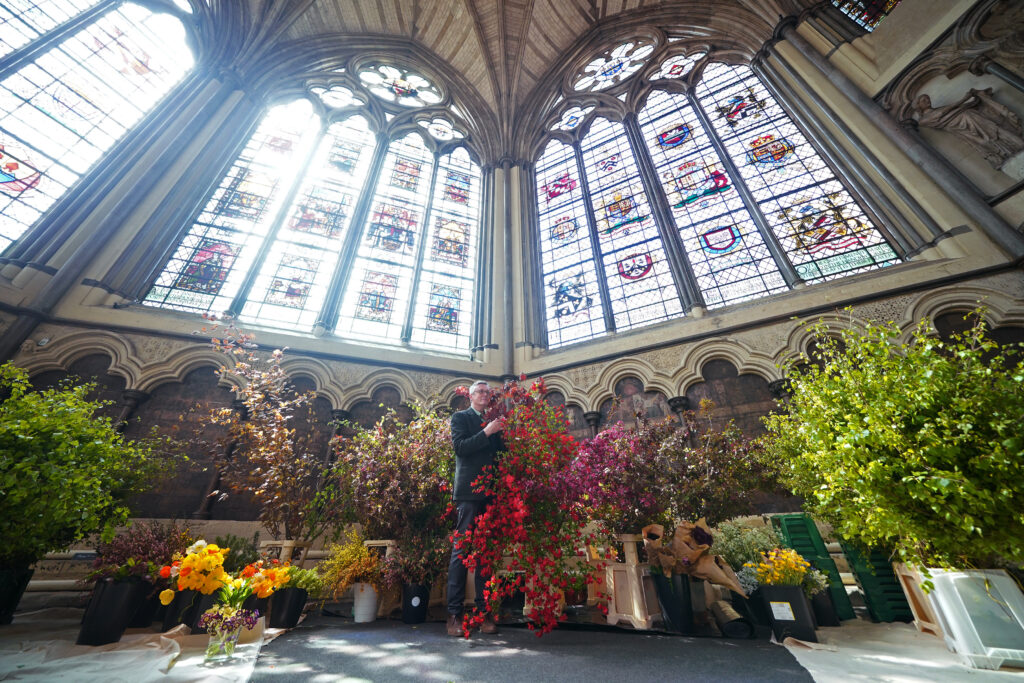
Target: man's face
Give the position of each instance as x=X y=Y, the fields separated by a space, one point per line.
x=479 y=397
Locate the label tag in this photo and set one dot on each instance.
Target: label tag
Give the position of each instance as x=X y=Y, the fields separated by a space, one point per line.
x=782 y=611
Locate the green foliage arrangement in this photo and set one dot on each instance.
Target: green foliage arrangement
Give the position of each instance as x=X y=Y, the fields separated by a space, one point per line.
x=306 y=579
x=65 y=471
x=349 y=563
x=739 y=544
x=915 y=446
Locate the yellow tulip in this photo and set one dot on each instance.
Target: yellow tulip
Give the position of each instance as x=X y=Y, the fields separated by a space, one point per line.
x=166 y=597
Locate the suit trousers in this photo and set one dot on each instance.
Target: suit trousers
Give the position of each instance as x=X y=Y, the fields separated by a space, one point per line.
x=466 y=511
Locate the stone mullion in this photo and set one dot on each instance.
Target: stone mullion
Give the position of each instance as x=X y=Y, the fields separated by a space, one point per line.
x=328 y=319
x=687 y=288
x=482 y=300
x=36 y=47
x=81 y=199
x=421 y=253
x=841 y=163
x=238 y=303
x=163 y=231
x=595 y=242
x=888 y=178
x=771 y=241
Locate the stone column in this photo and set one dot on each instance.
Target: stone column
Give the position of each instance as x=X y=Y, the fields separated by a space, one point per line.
x=593 y=418
x=205 y=508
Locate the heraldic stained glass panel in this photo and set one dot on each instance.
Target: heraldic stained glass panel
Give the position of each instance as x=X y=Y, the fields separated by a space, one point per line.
x=726 y=252
x=443 y=300
x=62 y=112
x=572 y=300
x=823 y=231
x=866 y=13
x=640 y=284
x=209 y=265
x=22 y=21
x=378 y=291
x=292 y=284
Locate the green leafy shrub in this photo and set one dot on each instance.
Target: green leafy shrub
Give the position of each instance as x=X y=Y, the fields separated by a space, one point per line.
x=65 y=472
x=915 y=447
x=243 y=551
x=307 y=579
x=738 y=544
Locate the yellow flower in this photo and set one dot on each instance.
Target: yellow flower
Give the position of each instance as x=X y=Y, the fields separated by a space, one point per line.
x=166 y=597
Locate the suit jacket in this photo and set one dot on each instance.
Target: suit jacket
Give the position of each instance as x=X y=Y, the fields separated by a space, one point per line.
x=474 y=451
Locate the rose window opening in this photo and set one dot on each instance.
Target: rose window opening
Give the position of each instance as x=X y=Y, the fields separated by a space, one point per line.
x=615 y=67
x=401 y=86
x=337 y=97
x=572 y=118
x=677 y=67
x=441 y=129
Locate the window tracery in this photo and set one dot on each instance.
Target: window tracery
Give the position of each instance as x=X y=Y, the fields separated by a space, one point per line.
x=748 y=205
x=381 y=227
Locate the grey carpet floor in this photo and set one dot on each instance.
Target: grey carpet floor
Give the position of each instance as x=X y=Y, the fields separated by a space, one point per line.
x=335 y=649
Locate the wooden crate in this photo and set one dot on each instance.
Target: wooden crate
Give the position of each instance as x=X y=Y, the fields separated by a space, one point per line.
x=925 y=618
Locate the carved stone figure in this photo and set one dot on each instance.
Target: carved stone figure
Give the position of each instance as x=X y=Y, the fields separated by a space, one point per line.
x=978 y=120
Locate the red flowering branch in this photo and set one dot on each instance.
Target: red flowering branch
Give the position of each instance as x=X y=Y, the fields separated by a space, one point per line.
x=532 y=536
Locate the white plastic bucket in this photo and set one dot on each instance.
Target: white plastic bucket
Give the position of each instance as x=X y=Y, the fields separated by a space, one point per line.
x=364 y=606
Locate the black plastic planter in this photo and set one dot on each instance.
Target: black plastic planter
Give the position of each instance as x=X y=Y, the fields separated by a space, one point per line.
x=415 y=600
x=824 y=609
x=186 y=608
x=674 y=597
x=261 y=605
x=149 y=604
x=111 y=606
x=12 y=586
x=790 y=613
x=286 y=607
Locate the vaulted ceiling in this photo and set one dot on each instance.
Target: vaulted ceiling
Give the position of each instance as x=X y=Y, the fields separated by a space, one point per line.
x=505 y=47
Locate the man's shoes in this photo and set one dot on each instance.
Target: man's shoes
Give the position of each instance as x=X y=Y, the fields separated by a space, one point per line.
x=489 y=626
x=455 y=625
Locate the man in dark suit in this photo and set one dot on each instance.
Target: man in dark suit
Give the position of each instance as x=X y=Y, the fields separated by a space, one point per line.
x=476 y=447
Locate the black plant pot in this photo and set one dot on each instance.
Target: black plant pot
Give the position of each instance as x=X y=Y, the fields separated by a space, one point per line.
x=824 y=609
x=415 y=600
x=149 y=604
x=260 y=605
x=752 y=607
x=789 y=612
x=111 y=606
x=286 y=607
x=12 y=586
x=674 y=597
x=186 y=608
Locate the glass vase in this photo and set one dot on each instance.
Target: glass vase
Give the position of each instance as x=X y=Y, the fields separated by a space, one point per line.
x=222 y=643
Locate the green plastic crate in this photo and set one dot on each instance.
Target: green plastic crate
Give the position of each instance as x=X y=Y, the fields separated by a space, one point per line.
x=800 y=534
x=883 y=593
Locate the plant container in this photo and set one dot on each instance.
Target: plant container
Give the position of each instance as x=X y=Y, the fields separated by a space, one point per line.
x=13 y=583
x=789 y=612
x=111 y=606
x=674 y=597
x=415 y=600
x=364 y=604
x=286 y=607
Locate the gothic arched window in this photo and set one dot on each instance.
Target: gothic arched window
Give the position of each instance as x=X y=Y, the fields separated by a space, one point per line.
x=706 y=194
x=365 y=226
x=66 y=98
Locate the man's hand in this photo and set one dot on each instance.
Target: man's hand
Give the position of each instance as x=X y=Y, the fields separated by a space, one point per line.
x=495 y=426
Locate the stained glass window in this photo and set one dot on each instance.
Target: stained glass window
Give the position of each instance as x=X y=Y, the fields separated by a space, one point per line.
x=729 y=258
x=572 y=298
x=376 y=300
x=867 y=13
x=442 y=314
x=822 y=229
x=640 y=286
x=22 y=21
x=792 y=214
x=292 y=284
x=62 y=112
x=211 y=263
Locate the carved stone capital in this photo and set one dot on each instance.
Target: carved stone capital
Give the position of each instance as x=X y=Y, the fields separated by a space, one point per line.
x=679 y=404
x=780 y=389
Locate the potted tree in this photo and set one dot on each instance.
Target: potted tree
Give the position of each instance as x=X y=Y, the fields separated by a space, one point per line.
x=917 y=446
x=397 y=478
x=51 y=441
